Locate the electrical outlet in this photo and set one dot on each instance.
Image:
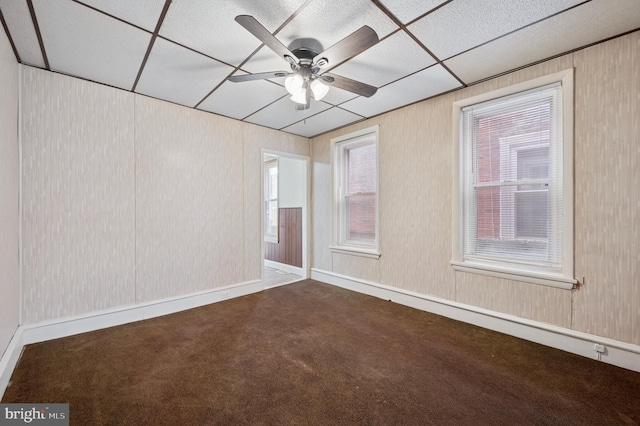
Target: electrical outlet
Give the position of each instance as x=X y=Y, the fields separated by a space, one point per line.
x=224 y=295
x=599 y=348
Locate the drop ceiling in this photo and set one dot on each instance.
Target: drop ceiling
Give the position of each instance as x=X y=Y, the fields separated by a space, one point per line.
x=183 y=51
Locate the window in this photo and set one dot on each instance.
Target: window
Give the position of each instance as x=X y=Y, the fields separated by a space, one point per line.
x=355 y=193
x=271 y=220
x=514 y=217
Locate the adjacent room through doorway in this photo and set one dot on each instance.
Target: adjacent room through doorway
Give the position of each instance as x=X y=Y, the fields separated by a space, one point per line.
x=285 y=201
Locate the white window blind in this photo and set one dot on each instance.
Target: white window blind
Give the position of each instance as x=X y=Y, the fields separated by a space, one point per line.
x=512 y=185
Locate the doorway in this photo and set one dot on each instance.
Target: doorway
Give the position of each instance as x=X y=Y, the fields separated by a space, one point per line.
x=285 y=217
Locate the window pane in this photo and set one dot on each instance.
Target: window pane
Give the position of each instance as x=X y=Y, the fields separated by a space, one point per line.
x=510 y=145
x=489 y=212
x=271 y=219
x=362 y=169
x=361 y=197
x=533 y=163
x=273 y=183
x=491 y=131
x=531 y=214
x=361 y=213
x=511 y=222
x=271 y=200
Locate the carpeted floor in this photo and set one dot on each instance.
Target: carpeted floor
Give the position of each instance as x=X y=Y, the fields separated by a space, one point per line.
x=313 y=354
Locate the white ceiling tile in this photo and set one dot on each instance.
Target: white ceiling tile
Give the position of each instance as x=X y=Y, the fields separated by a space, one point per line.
x=82 y=42
x=238 y=100
x=462 y=25
x=422 y=85
x=143 y=13
x=389 y=60
x=323 y=122
x=283 y=113
x=329 y=21
x=209 y=26
x=550 y=37
x=180 y=75
x=18 y=19
x=408 y=10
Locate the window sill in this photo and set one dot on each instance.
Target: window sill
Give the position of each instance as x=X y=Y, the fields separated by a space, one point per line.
x=356 y=251
x=539 y=278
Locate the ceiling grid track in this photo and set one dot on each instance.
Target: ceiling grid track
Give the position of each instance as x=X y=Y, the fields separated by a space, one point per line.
x=38 y=34
x=6 y=30
x=403 y=27
x=153 y=40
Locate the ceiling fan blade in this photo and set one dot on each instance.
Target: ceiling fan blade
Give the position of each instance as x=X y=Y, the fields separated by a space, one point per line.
x=257 y=76
x=345 y=83
x=350 y=46
x=261 y=33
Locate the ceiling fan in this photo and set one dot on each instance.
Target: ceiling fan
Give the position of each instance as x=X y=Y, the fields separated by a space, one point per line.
x=306 y=78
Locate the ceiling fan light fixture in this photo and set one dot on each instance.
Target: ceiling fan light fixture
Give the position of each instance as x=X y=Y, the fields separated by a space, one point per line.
x=294 y=84
x=319 y=90
x=301 y=97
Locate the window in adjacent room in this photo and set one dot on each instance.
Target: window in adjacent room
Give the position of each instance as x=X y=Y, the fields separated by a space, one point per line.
x=515 y=213
x=271 y=222
x=355 y=192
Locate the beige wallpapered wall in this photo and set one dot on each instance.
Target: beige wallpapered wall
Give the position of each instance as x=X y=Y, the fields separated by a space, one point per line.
x=188 y=184
x=607 y=190
x=78 y=229
x=127 y=199
x=416 y=160
x=9 y=194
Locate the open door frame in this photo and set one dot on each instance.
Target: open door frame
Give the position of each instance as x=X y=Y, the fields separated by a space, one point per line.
x=306 y=213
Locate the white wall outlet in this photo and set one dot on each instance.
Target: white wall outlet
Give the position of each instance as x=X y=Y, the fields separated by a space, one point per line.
x=599 y=348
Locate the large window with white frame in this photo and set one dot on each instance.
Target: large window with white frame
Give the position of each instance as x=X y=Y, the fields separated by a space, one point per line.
x=355 y=192
x=514 y=216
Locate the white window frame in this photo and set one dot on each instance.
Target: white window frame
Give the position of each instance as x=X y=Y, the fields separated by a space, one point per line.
x=563 y=276
x=267 y=166
x=340 y=243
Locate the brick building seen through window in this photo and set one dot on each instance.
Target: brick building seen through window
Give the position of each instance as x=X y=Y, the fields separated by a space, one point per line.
x=513 y=147
x=362 y=193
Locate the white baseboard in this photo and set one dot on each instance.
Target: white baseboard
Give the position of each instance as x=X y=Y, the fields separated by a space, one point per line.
x=10 y=359
x=283 y=267
x=617 y=353
x=49 y=330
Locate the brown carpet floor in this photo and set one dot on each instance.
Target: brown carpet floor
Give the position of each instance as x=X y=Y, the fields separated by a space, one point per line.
x=313 y=354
